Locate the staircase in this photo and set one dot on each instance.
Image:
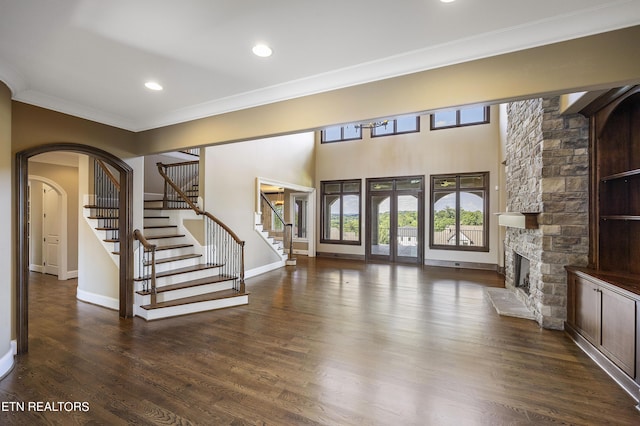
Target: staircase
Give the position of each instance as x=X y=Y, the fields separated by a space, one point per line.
x=176 y=274
x=275 y=242
x=185 y=282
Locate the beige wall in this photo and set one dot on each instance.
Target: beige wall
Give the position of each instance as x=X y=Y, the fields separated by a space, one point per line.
x=98 y=274
x=67 y=178
x=457 y=150
x=585 y=63
x=6 y=246
x=231 y=171
x=34 y=126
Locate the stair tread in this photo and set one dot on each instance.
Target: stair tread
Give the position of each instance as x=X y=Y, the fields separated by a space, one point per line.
x=157 y=217
x=173 y=246
x=159 y=237
x=178 y=271
x=103 y=217
x=112 y=240
x=167 y=208
x=160 y=226
x=107 y=228
x=93 y=206
x=176 y=258
x=188 y=284
x=216 y=295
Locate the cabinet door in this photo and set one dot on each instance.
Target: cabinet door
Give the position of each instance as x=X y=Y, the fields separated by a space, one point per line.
x=618 y=329
x=587 y=309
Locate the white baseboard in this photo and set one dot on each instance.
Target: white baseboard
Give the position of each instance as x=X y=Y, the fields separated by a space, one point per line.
x=70 y=274
x=36 y=268
x=98 y=299
x=262 y=269
x=7 y=362
x=14 y=347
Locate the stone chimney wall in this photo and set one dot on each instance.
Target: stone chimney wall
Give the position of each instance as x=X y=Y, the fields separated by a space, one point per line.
x=547 y=171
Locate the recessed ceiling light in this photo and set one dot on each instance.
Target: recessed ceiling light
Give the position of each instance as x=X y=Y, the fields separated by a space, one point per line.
x=447 y=1
x=152 y=85
x=262 y=50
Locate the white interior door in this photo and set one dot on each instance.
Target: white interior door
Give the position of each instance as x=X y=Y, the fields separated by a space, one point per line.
x=50 y=230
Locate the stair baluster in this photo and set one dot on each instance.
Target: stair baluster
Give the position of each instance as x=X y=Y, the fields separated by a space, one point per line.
x=223 y=246
x=107 y=194
x=184 y=176
x=146 y=264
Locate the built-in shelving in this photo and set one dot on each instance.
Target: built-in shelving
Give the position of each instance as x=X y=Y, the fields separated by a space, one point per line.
x=620 y=217
x=603 y=301
x=629 y=173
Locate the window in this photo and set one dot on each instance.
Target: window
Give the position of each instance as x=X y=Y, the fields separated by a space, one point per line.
x=459 y=206
x=459 y=117
x=340 y=133
x=340 y=222
x=398 y=126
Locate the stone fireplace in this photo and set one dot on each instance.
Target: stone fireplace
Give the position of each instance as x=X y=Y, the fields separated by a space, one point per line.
x=547 y=172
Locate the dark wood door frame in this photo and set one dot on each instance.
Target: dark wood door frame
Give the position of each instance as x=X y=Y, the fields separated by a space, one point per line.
x=393 y=194
x=22 y=241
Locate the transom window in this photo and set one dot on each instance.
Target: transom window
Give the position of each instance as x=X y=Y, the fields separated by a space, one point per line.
x=398 y=126
x=459 y=117
x=341 y=211
x=340 y=133
x=459 y=207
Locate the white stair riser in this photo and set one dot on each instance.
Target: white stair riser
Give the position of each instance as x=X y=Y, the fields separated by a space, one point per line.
x=179 y=278
x=154 y=232
x=177 y=264
x=163 y=254
x=156 y=221
x=191 y=308
x=167 y=296
x=166 y=241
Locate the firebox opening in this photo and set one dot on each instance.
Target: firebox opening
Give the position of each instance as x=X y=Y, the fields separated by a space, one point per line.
x=521 y=272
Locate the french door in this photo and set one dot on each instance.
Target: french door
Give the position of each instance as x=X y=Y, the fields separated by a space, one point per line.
x=395 y=219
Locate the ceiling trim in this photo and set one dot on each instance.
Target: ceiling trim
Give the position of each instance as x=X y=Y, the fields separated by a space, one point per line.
x=582 y=23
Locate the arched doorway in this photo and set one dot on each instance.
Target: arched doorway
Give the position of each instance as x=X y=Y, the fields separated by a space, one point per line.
x=22 y=241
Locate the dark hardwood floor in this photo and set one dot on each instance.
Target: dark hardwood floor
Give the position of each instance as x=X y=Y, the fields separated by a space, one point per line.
x=328 y=342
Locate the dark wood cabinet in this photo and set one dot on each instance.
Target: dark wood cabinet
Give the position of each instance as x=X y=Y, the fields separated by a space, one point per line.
x=587 y=308
x=605 y=316
x=601 y=318
x=618 y=328
x=603 y=300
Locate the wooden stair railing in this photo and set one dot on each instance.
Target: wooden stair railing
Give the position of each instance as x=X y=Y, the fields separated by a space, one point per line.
x=222 y=245
x=287 y=228
x=184 y=175
x=147 y=265
x=191 y=151
x=106 y=201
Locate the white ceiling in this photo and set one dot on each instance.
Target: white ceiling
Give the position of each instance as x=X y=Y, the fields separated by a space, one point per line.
x=90 y=58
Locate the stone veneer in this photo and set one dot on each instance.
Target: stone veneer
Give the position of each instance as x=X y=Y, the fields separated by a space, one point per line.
x=547 y=171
